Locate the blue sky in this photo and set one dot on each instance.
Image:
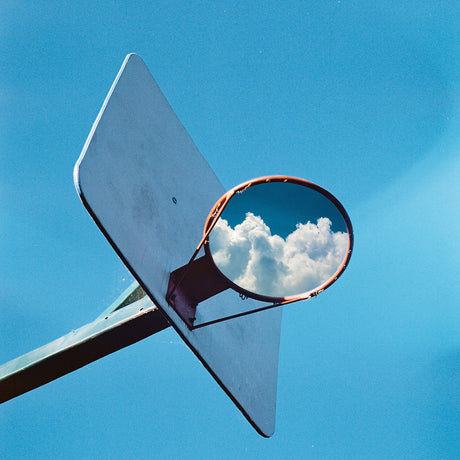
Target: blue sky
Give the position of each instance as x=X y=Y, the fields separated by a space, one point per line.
x=282 y=206
x=360 y=97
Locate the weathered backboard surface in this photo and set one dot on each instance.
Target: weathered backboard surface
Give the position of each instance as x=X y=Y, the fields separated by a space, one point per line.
x=149 y=190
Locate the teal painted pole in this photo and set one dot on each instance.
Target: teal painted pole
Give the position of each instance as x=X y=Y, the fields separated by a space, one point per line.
x=122 y=324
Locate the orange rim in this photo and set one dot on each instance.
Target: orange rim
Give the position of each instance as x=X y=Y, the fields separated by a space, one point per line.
x=220 y=205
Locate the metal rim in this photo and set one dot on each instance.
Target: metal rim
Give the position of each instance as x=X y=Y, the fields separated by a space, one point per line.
x=220 y=205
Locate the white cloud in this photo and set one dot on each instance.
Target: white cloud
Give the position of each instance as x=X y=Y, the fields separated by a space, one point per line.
x=268 y=264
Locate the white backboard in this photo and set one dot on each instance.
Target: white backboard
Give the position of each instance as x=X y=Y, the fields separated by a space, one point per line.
x=149 y=190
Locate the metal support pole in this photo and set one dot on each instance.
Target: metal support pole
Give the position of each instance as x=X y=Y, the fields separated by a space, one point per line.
x=123 y=324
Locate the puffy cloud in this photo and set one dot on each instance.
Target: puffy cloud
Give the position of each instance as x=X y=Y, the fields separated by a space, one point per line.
x=267 y=264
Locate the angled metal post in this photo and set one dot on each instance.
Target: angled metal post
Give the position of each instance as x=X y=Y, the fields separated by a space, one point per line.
x=132 y=317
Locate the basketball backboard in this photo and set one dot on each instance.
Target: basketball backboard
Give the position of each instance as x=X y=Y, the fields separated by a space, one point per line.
x=149 y=190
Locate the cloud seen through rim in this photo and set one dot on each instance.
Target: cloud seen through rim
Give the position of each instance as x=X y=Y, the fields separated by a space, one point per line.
x=253 y=258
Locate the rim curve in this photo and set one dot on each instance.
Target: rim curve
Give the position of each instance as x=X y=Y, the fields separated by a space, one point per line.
x=222 y=202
